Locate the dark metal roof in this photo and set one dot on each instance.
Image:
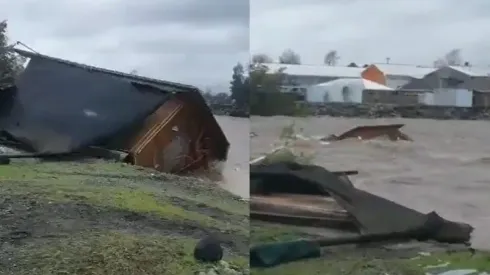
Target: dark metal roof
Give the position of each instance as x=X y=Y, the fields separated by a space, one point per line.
x=444 y=75
x=134 y=78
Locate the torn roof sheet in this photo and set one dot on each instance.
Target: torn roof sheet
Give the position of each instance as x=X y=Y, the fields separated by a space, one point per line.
x=61 y=108
x=404 y=70
x=168 y=85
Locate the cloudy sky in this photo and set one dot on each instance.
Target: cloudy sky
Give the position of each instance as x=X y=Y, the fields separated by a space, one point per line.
x=189 y=41
x=362 y=31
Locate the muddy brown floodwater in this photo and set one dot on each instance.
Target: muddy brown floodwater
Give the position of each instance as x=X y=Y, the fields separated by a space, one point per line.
x=236 y=169
x=446 y=168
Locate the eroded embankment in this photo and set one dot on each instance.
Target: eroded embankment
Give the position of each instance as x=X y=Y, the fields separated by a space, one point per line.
x=110 y=218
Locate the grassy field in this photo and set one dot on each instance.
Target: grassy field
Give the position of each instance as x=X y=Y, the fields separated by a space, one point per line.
x=413 y=259
x=111 y=218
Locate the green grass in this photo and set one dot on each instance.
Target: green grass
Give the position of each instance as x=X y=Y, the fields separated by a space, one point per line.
x=263 y=232
x=123 y=187
x=109 y=253
x=353 y=262
x=365 y=265
x=115 y=185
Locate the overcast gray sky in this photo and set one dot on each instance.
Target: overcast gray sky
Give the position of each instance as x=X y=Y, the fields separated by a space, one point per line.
x=190 y=41
x=362 y=31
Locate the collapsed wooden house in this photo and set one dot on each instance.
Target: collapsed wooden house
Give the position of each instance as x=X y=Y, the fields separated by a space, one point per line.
x=309 y=195
x=60 y=107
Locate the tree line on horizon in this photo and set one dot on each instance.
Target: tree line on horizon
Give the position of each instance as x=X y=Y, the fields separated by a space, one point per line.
x=332 y=57
x=11 y=64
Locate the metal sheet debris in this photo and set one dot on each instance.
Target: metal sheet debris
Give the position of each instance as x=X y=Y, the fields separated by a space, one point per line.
x=320 y=195
x=391 y=131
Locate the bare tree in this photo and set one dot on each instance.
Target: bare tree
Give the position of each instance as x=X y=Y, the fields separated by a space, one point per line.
x=331 y=58
x=133 y=72
x=289 y=57
x=440 y=62
x=452 y=58
x=261 y=58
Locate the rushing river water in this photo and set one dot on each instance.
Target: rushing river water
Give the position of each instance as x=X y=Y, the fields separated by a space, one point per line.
x=446 y=168
x=236 y=169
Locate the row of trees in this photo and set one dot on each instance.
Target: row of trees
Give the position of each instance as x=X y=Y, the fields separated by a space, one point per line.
x=10 y=64
x=289 y=56
x=331 y=58
x=256 y=89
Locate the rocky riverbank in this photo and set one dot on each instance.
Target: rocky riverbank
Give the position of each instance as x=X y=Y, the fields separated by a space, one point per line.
x=384 y=111
x=228 y=110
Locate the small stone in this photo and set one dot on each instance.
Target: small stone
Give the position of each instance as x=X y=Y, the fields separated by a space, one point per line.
x=208 y=250
x=229 y=271
x=224 y=264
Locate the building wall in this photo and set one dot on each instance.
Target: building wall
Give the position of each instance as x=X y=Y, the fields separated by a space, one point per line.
x=390 y=97
x=453 y=97
x=305 y=81
x=426 y=98
x=374 y=74
x=481 y=99
x=396 y=82
x=322 y=94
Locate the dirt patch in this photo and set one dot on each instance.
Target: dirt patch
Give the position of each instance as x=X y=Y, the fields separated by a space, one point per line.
x=34 y=219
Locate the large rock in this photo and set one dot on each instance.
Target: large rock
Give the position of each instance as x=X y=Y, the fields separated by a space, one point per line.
x=208 y=250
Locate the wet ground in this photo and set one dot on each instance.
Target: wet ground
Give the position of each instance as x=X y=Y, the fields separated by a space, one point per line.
x=444 y=169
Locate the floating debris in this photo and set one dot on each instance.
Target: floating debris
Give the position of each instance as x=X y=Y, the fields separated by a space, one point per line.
x=391 y=131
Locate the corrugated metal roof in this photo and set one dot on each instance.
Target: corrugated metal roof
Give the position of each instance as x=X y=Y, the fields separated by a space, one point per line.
x=404 y=70
x=358 y=82
x=130 y=77
x=473 y=71
x=316 y=70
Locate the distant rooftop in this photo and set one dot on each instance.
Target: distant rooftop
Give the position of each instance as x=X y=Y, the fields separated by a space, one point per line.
x=316 y=70
x=357 y=82
x=414 y=71
x=473 y=71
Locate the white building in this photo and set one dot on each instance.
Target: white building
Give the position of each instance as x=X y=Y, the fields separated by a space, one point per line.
x=304 y=76
x=447 y=97
x=342 y=90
